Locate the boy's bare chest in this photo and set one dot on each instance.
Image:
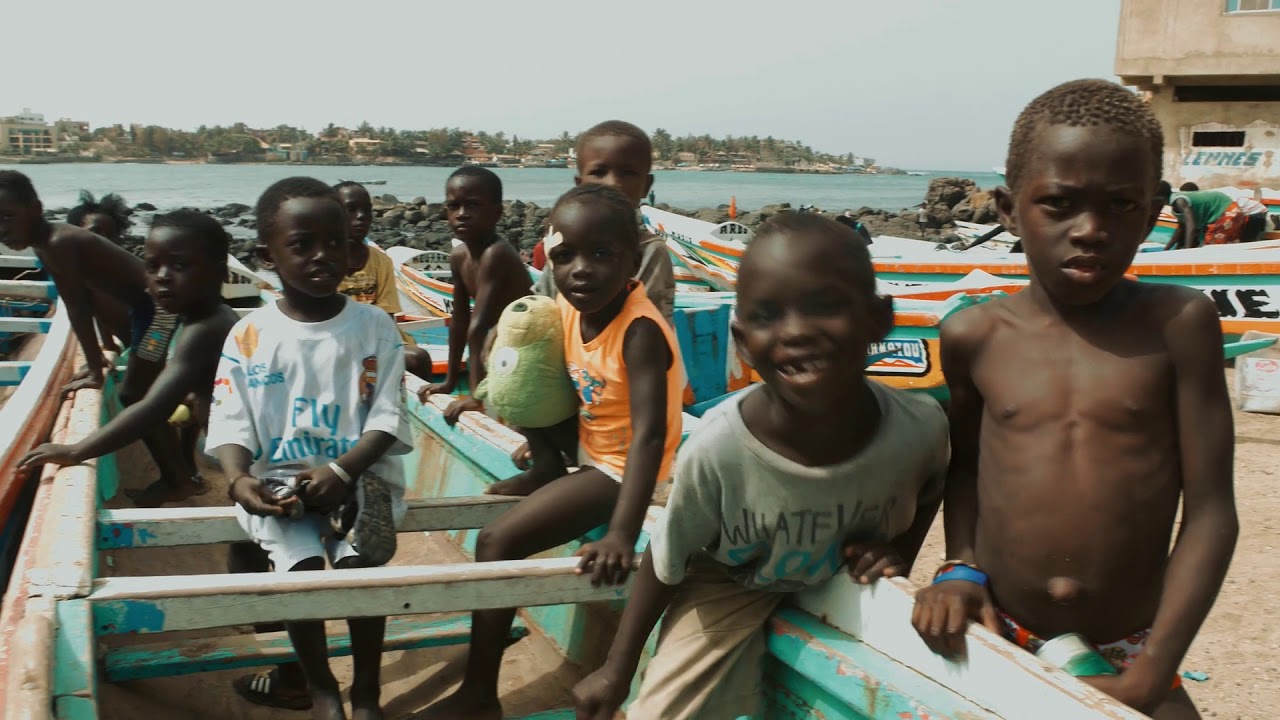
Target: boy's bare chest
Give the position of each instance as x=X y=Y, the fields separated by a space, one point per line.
x=1028 y=379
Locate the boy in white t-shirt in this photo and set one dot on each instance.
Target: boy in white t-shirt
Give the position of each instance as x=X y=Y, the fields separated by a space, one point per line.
x=780 y=486
x=309 y=390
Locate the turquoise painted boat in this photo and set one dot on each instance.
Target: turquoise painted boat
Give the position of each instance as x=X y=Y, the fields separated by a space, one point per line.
x=101 y=624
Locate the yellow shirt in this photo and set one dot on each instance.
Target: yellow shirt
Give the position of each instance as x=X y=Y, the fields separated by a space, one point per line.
x=599 y=374
x=375 y=284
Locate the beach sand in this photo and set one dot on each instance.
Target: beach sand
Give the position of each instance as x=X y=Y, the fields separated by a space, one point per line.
x=1239 y=645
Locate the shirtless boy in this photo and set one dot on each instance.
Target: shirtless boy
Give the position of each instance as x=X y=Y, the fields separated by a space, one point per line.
x=68 y=253
x=1082 y=410
x=186 y=262
x=485 y=267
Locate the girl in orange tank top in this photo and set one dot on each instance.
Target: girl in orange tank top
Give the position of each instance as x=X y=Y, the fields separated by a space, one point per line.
x=625 y=364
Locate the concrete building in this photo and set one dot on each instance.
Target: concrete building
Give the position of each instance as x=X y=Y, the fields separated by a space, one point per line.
x=26 y=134
x=1211 y=69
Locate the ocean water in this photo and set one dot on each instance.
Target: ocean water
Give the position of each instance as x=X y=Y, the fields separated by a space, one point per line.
x=172 y=186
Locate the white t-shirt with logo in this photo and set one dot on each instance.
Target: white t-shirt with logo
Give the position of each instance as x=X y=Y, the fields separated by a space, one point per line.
x=296 y=393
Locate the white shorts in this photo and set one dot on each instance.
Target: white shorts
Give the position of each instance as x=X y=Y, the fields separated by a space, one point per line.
x=289 y=542
x=585 y=460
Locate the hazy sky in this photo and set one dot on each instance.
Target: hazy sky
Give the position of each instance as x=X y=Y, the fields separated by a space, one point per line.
x=914 y=83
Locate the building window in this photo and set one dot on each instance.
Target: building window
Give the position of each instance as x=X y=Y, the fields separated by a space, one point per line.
x=1227 y=93
x=1230 y=138
x=1245 y=6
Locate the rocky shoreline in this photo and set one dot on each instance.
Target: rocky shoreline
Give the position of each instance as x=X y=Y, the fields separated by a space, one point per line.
x=422 y=225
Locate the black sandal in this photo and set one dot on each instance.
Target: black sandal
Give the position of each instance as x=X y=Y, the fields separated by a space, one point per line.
x=264 y=689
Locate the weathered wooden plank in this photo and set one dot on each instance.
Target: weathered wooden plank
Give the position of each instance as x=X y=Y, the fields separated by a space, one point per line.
x=28 y=289
x=12 y=371
x=74 y=674
x=871 y=683
x=169 y=527
x=29 y=691
x=140 y=662
x=71 y=707
x=25 y=325
x=996 y=675
x=21 y=262
x=789 y=695
x=194 y=602
x=64 y=563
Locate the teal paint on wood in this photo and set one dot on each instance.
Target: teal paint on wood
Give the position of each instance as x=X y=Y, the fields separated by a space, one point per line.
x=703 y=335
x=74 y=663
x=70 y=707
x=562 y=714
x=788 y=695
x=140 y=662
x=12 y=371
x=1236 y=349
x=872 y=683
x=126 y=617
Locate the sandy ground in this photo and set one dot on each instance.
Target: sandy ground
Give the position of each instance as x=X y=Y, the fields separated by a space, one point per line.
x=1238 y=648
x=1239 y=645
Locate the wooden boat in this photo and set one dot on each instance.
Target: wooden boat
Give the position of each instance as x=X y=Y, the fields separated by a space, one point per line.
x=129 y=637
x=36 y=363
x=365 y=182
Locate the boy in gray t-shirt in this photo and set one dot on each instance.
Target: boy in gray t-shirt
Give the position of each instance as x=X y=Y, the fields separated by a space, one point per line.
x=781 y=485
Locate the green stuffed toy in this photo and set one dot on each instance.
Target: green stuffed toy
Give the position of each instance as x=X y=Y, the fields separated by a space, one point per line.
x=527 y=383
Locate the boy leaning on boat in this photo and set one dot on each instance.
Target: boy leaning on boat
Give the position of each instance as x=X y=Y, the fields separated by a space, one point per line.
x=1083 y=409
x=781 y=485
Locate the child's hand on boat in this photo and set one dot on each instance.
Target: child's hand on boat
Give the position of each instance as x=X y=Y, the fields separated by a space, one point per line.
x=609 y=559
x=523 y=456
x=870 y=561
x=459 y=406
x=322 y=489
x=50 y=454
x=943 y=611
x=253 y=495
x=599 y=695
x=440 y=388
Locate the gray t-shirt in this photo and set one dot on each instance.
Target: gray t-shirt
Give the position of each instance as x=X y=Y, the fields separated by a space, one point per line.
x=779 y=525
x=656 y=272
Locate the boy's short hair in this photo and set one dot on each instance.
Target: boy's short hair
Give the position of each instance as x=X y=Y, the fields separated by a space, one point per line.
x=793 y=223
x=111 y=205
x=287 y=189
x=1189 y=187
x=616 y=128
x=1084 y=103
x=347 y=184
x=213 y=238
x=18 y=185
x=617 y=203
x=1164 y=191
x=484 y=175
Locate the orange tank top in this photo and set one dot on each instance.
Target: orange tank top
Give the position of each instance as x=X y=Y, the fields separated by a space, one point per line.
x=599 y=374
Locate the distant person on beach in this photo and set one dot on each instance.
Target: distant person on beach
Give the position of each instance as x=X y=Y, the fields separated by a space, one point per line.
x=485 y=267
x=620 y=155
x=371 y=277
x=848 y=220
x=1210 y=217
x=1083 y=409
x=625 y=363
x=306 y=420
x=922 y=218
x=185 y=255
x=109 y=218
x=859 y=465
x=84 y=266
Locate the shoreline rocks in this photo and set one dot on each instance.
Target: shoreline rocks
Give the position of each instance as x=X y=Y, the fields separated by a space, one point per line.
x=423 y=225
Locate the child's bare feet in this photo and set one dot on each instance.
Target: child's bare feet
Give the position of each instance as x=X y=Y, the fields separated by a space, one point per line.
x=523 y=484
x=327 y=705
x=166 y=491
x=463 y=704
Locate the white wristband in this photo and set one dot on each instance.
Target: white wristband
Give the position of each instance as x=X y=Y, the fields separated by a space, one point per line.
x=337 y=470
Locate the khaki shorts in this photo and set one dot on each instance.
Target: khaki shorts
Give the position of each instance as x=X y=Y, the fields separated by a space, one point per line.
x=709 y=661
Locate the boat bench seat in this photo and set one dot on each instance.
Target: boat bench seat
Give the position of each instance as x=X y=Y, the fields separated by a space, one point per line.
x=227 y=652
x=172 y=527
